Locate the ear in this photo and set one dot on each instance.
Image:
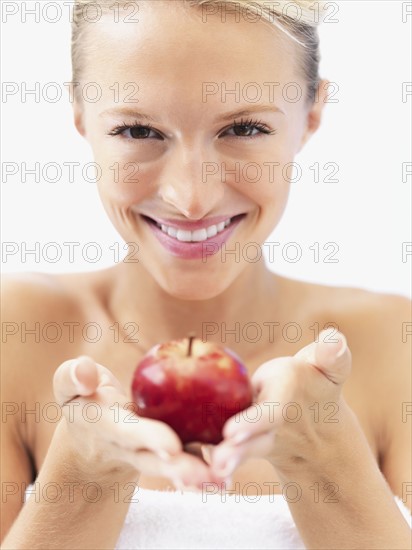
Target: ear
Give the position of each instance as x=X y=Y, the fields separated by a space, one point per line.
x=79 y=118
x=314 y=114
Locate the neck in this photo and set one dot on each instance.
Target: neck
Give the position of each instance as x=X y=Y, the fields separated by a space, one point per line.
x=252 y=298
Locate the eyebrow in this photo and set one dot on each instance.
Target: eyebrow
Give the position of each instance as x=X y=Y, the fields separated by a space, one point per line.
x=250 y=111
x=127 y=111
x=228 y=116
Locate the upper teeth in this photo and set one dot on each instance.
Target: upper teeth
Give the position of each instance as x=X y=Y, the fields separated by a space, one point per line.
x=194 y=236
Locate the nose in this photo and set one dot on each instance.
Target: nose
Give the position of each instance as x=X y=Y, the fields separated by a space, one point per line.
x=187 y=186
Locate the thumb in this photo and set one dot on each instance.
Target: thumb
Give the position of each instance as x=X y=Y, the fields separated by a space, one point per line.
x=75 y=377
x=207 y=450
x=330 y=355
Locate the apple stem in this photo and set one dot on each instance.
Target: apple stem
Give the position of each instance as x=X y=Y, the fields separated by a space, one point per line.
x=189 y=349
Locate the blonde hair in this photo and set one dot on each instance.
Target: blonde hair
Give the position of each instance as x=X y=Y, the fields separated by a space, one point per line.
x=297 y=19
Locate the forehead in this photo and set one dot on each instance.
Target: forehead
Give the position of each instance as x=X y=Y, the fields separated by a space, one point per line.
x=167 y=43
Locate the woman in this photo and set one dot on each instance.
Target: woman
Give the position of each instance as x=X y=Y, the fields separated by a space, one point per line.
x=172 y=140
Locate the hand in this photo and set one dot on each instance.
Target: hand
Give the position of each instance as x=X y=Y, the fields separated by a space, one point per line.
x=297 y=412
x=118 y=440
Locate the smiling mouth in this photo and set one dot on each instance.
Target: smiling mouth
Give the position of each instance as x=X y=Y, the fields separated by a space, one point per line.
x=199 y=235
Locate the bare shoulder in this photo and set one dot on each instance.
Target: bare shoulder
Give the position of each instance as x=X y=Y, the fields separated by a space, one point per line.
x=37 y=310
x=42 y=296
x=379 y=322
x=31 y=300
x=17 y=288
x=363 y=315
x=378 y=328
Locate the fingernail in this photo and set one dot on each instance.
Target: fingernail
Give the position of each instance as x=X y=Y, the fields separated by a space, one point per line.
x=164 y=455
x=181 y=486
x=227 y=482
x=228 y=470
x=343 y=346
x=206 y=453
x=225 y=485
x=240 y=437
x=326 y=333
x=310 y=354
x=104 y=379
x=178 y=483
x=80 y=387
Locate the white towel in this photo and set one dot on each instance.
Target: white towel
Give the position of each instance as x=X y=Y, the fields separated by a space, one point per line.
x=192 y=520
x=186 y=520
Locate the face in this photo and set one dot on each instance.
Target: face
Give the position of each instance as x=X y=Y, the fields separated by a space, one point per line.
x=209 y=163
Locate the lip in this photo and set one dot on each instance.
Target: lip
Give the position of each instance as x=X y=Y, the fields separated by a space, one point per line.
x=192 y=226
x=193 y=250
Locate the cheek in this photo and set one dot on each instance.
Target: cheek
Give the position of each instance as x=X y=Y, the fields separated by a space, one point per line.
x=121 y=186
x=263 y=169
x=260 y=170
x=264 y=176
x=124 y=179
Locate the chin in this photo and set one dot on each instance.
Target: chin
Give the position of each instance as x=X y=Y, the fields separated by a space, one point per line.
x=198 y=290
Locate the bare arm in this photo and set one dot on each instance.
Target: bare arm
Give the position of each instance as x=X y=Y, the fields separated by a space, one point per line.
x=83 y=488
x=345 y=501
x=355 y=507
x=364 y=514
x=71 y=507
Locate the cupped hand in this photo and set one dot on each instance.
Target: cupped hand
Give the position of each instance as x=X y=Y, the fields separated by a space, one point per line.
x=107 y=433
x=297 y=412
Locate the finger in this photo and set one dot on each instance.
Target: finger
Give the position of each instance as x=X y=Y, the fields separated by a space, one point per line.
x=257 y=419
x=278 y=379
x=207 y=453
x=75 y=377
x=82 y=377
x=330 y=355
x=132 y=432
x=278 y=370
x=121 y=427
x=194 y=449
x=107 y=379
x=188 y=470
x=272 y=381
x=227 y=457
x=182 y=469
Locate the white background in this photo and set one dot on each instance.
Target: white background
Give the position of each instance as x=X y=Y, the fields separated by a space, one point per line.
x=367 y=133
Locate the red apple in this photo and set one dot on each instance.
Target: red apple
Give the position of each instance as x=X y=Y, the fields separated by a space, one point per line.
x=193 y=386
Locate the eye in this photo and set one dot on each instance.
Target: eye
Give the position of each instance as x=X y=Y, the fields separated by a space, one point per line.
x=138 y=132
x=245 y=128
x=134 y=131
